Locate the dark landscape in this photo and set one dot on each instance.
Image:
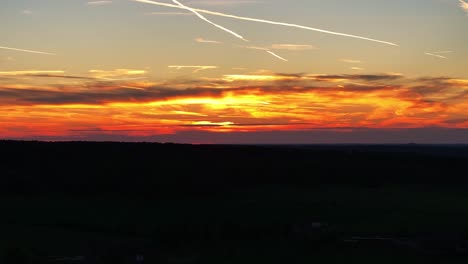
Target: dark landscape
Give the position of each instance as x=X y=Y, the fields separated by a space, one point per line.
x=89 y=202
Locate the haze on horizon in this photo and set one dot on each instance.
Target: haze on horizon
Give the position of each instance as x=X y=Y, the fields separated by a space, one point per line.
x=226 y=71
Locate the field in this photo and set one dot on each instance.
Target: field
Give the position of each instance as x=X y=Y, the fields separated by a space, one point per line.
x=297 y=221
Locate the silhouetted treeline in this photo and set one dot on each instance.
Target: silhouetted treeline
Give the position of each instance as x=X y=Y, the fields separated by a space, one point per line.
x=154 y=170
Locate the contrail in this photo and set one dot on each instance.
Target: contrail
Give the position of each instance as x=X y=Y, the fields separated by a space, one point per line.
x=208 y=21
x=266 y=50
x=267 y=22
x=30 y=51
x=276 y=55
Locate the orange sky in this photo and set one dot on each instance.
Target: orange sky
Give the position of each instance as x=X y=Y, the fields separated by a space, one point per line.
x=161 y=69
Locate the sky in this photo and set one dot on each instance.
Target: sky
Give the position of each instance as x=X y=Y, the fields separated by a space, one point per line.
x=235 y=71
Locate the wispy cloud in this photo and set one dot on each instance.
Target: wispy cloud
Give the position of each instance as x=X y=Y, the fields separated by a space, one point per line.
x=292 y=47
x=442 y=52
x=202 y=40
x=27 y=12
x=180 y=5
x=98 y=3
x=25 y=50
x=332 y=78
x=117 y=73
x=351 y=61
x=268 y=22
x=356 y=68
x=464 y=5
x=209 y=123
x=258 y=78
x=19 y=73
x=435 y=55
x=255 y=48
x=196 y=68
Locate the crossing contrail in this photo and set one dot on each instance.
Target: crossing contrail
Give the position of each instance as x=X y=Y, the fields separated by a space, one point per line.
x=207 y=20
x=276 y=55
x=30 y=51
x=266 y=22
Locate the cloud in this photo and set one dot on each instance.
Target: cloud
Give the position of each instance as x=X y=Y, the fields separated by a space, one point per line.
x=258 y=78
x=96 y=75
x=292 y=47
x=98 y=3
x=332 y=78
x=255 y=48
x=272 y=84
x=26 y=12
x=356 y=68
x=351 y=61
x=362 y=77
x=28 y=51
x=109 y=74
x=202 y=40
x=356 y=135
x=442 y=52
x=435 y=55
x=234 y=103
x=196 y=68
x=268 y=22
x=464 y=5
x=191 y=135
x=209 y=124
x=20 y=73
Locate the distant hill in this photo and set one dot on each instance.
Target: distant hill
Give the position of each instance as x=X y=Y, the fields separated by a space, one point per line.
x=153 y=169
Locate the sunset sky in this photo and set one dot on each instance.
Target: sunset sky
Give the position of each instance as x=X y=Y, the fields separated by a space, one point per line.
x=235 y=71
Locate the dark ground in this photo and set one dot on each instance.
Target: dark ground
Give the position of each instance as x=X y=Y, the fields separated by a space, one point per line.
x=107 y=202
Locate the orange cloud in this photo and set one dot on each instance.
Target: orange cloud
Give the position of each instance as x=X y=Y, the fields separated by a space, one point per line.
x=234 y=103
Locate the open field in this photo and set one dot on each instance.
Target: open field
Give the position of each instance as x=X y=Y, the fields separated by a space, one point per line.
x=250 y=218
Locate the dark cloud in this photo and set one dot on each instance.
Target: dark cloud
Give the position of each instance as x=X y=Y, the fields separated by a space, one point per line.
x=430 y=135
x=106 y=92
x=122 y=94
x=361 y=77
x=90 y=96
x=293 y=75
x=456 y=121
